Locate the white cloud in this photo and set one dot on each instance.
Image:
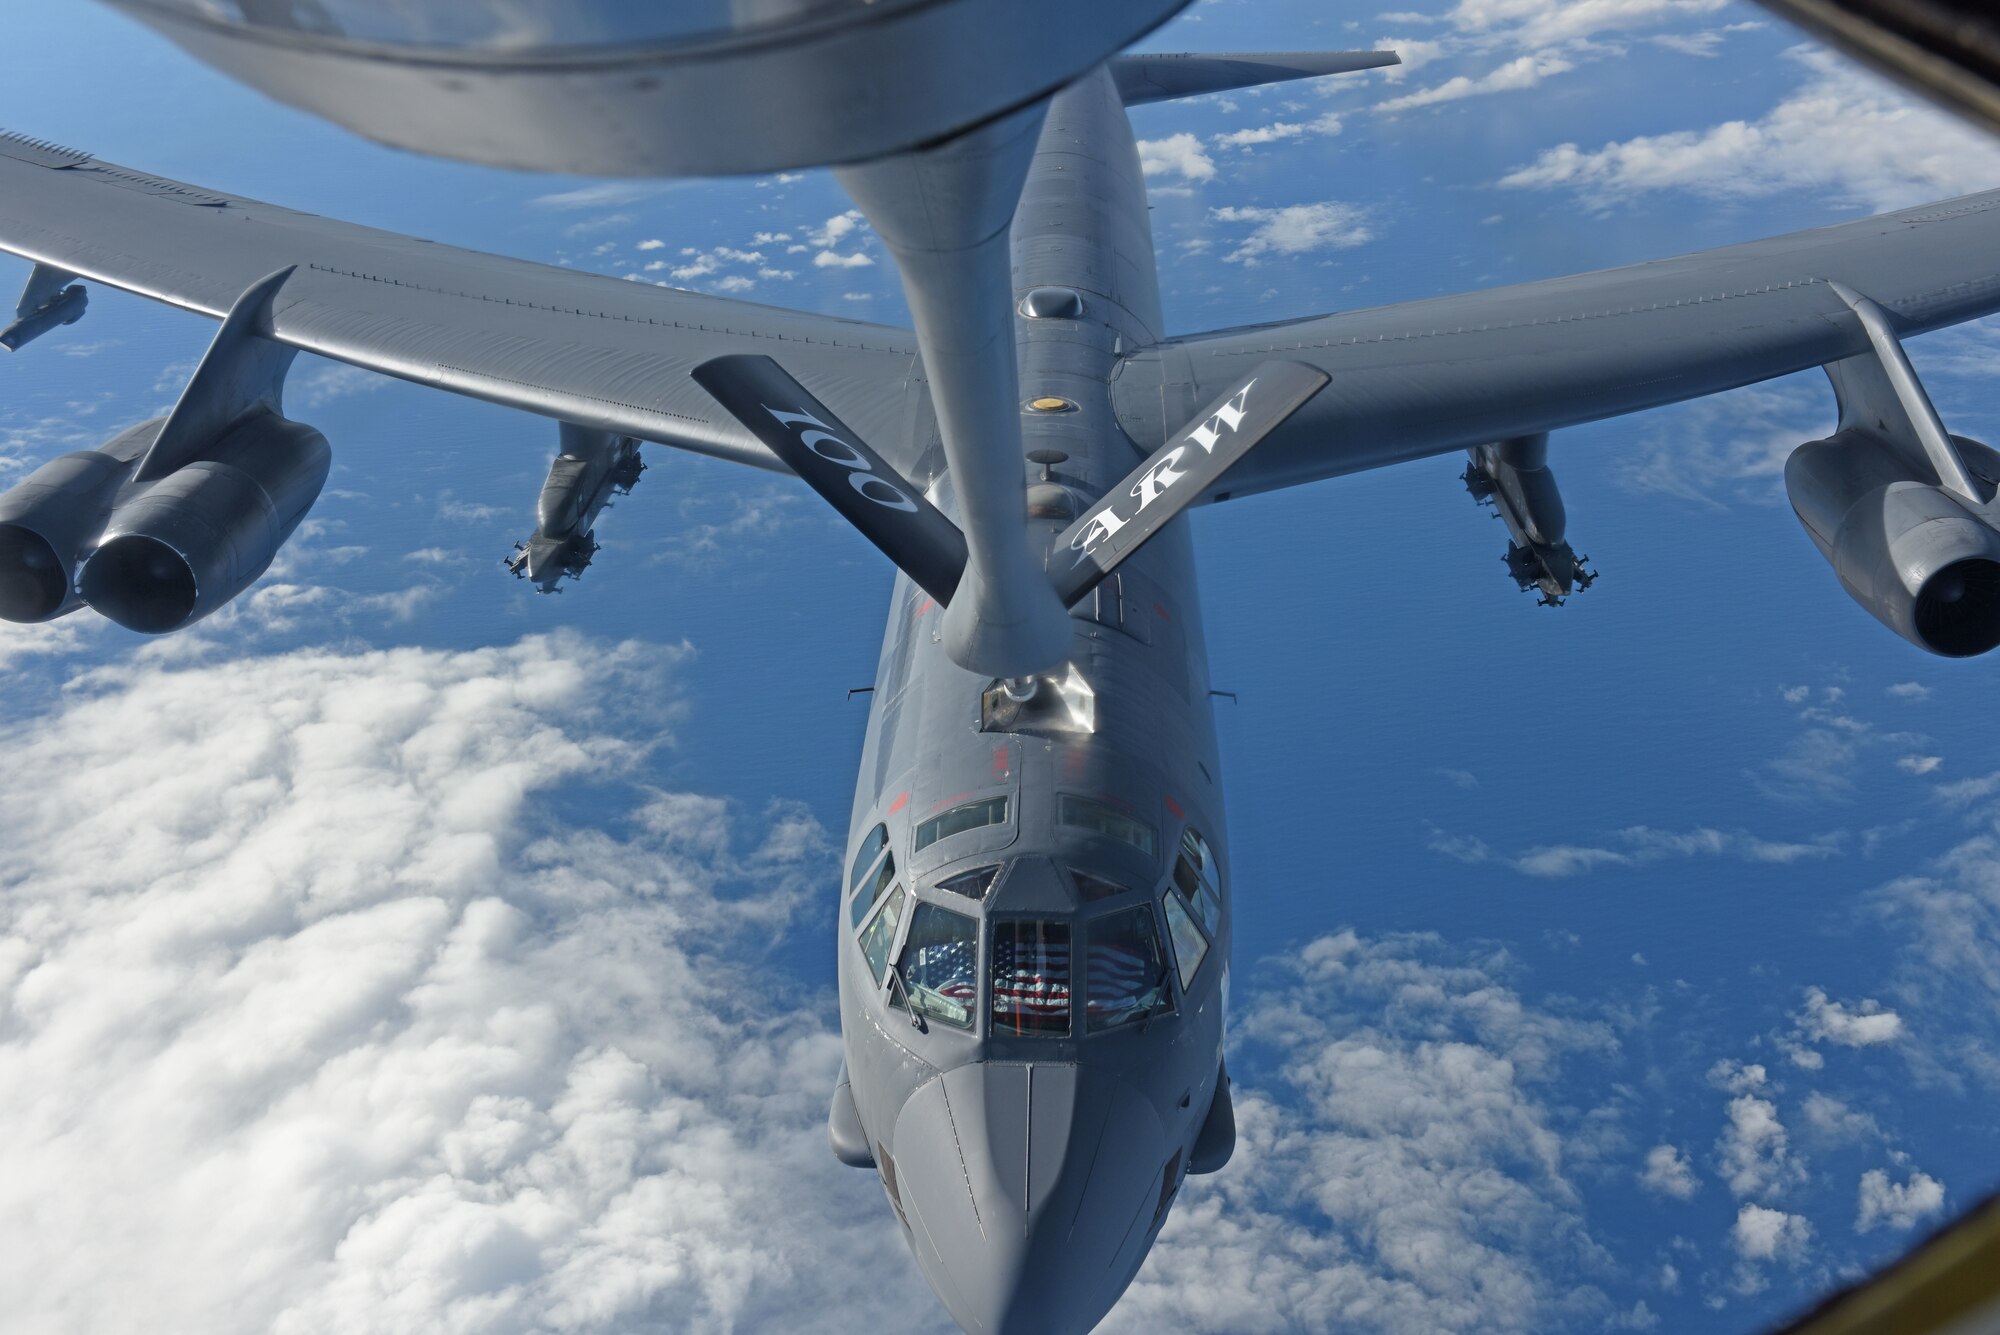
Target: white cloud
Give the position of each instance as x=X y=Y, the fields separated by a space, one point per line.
x=1910 y=690
x=1886 y=1204
x=1177 y=155
x=1415 y=52
x=1641 y=845
x=324 y=382
x=606 y=194
x=1669 y=1172
x=827 y=259
x=1762 y=1234
x=1539 y=21
x=1262 y=134
x=1965 y=792
x=1753 y=1152
x=1295 y=229
x=1730 y=447
x=320 y=1018
x=1835 y=1121
x=837 y=228
x=1864 y=1026
x=653 y=243
x=47 y=639
x=1411 y=1179
x=1844 y=133
x=1738 y=1077
x=1919 y=765
x=1520 y=73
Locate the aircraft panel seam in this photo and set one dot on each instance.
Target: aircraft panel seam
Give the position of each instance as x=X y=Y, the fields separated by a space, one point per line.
x=1910 y=300
x=575 y=394
x=600 y=315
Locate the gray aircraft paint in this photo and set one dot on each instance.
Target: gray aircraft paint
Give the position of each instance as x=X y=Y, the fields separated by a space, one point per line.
x=1033 y=1172
x=1093 y=1122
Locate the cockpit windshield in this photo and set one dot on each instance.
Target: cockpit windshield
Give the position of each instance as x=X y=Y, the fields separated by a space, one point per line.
x=1126 y=976
x=940 y=966
x=1031 y=978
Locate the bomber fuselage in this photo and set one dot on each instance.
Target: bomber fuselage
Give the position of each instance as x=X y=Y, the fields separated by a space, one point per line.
x=1033 y=931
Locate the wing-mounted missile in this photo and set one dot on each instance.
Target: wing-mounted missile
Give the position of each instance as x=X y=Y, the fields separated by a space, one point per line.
x=1513 y=478
x=49 y=301
x=1907 y=514
x=592 y=468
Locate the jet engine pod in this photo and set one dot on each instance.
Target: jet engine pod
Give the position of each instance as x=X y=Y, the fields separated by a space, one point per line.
x=194 y=540
x=52 y=516
x=1923 y=561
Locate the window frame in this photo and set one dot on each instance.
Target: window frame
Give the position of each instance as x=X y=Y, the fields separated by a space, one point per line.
x=1150 y=849
x=1169 y=964
x=1170 y=898
x=918 y=843
x=905 y=930
x=879 y=836
x=995 y=926
x=880 y=979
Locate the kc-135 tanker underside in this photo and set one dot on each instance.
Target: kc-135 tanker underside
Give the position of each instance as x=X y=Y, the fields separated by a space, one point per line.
x=1034 y=911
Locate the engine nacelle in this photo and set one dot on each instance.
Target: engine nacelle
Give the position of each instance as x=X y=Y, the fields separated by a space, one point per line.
x=53 y=516
x=189 y=543
x=1923 y=561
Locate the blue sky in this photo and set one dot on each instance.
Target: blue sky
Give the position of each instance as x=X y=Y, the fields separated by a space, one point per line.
x=402 y=950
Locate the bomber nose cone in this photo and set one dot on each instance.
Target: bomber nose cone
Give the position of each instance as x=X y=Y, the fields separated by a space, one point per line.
x=1031 y=1193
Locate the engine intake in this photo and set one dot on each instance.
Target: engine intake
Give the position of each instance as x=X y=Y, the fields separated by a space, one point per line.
x=189 y=543
x=1922 y=560
x=53 y=516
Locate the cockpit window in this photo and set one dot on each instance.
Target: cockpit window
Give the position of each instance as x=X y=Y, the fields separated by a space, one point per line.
x=967 y=816
x=1199 y=892
x=880 y=934
x=1189 y=944
x=865 y=897
x=1031 y=971
x=1196 y=848
x=1093 y=888
x=972 y=884
x=877 y=840
x=1096 y=816
x=940 y=965
x=1125 y=975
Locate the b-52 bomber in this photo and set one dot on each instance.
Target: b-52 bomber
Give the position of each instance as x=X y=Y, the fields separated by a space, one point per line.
x=1034 y=906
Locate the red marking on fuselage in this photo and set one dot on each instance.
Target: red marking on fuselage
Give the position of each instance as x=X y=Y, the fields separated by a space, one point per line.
x=1174 y=810
x=925 y=606
x=1160 y=610
x=1000 y=761
x=902 y=800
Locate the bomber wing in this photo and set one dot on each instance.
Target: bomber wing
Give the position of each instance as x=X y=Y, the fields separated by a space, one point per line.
x=1431 y=377
x=593 y=351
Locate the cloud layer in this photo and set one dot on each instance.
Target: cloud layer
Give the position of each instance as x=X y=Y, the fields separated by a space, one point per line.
x=316 y=1018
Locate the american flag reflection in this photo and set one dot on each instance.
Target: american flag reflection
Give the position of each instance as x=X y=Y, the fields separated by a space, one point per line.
x=1031 y=977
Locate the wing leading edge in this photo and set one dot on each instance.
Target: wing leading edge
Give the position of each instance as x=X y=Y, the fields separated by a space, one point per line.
x=585 y=349
x=1432 y=377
